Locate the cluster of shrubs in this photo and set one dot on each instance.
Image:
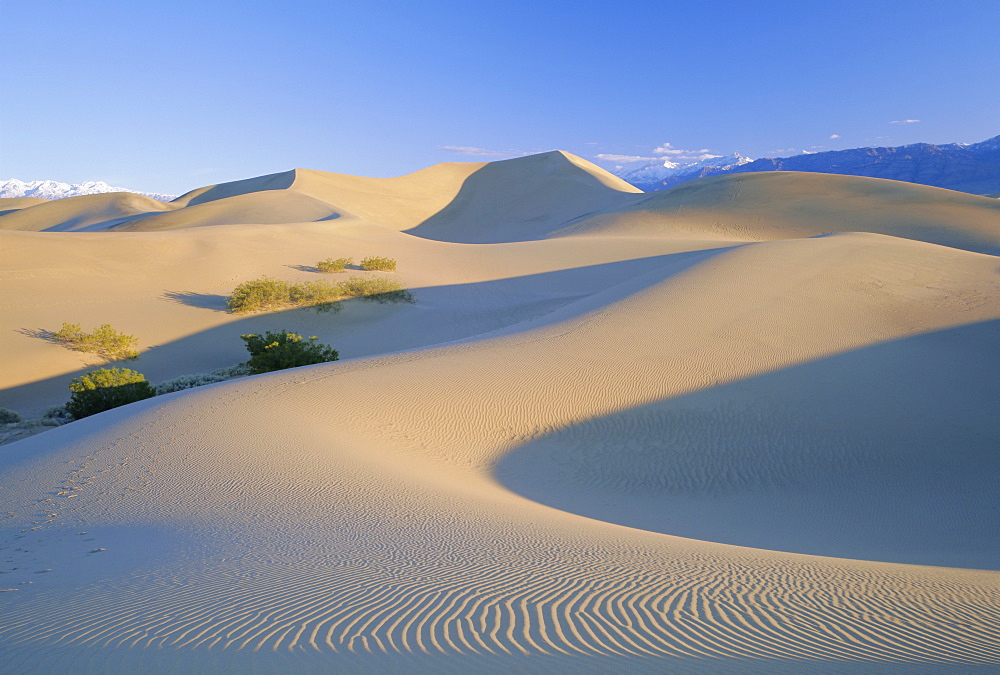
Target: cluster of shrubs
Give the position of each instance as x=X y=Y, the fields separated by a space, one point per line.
x=371 y=263
x=104 y=341
x=107 y=388
x=265 y=293
x=331 y=265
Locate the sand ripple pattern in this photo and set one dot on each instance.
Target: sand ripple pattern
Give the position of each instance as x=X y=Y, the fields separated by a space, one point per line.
x=702 y=609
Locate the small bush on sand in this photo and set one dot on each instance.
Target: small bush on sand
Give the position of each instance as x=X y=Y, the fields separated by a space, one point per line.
x=375 y=289
x=331 y=265
x=378 y=264
x=9 y=416
x=266 y=293
x=201 y=379
x=277 y=350
x=106 y=388
x=321 y=295
x=258 y=295
x=56 y=415
x=105 y=341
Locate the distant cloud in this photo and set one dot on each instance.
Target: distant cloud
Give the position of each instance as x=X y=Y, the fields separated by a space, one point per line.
x=470 y=151
x=779 y=151
x=668 y=149
x=833 y=136
x=808 y=152
x=904 y=121
x=626 y=159
x=661 y=153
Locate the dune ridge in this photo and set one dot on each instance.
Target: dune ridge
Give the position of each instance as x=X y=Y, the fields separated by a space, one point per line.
x=631 y=444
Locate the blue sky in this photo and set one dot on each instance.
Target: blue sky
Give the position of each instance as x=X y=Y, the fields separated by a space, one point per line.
x=168 y=96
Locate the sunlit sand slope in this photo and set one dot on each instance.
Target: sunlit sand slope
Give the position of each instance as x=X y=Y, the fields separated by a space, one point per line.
x=11 y=204
x=511 y=200
x=384 y=512
x=169 y=289
x=785 y=204
x=99 y=211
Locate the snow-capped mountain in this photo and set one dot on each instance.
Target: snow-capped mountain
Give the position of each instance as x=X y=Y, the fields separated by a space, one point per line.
x=659 y=174
x=50 y=189
x=965 y=167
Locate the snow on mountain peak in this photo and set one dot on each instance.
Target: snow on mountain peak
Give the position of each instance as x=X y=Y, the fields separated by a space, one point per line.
x=51 y=189
x=662 y=170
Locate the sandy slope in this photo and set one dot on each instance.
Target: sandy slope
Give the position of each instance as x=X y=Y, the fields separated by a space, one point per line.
x=785 y=204
x=11 y=204
x=99 y=211
x=495 y=477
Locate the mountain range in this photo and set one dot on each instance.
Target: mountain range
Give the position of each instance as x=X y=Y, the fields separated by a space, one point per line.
x=51 y=189
x=972 y=168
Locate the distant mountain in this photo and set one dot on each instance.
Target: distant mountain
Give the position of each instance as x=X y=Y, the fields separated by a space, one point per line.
x=973 y=168
x=50 y=189
x=663 y=173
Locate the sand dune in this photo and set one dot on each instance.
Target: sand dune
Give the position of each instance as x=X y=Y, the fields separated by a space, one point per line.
x=99 y=211
x=786 y=204
x=11 y=204
x=695 y=452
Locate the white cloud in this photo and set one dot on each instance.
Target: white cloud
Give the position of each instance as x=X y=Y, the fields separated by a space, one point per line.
x=627 y=159
x=470 y=151
x=904 y=121
x=808 y=152
x=668 y=149
x=833 y=136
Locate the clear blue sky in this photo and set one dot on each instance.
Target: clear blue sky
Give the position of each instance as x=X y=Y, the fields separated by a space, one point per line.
x=168 y=96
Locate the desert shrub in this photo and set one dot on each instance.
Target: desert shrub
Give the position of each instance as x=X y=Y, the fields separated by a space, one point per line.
x=320 y=295
x=200 y=379
x=106 y=388
x=56 y=415
x=186 y=382
x=376 y=289
x=105 y=341
x=277 y=350
x=9 y=416
x=378 y=263
x=266 y=293
x=331 y=265
x=231 y=372
x=259 y=295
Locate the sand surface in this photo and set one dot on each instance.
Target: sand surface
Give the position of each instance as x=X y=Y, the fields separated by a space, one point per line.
x=615 y=431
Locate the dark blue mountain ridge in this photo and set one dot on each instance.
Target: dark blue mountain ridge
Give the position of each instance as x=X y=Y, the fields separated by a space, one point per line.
x=972 y=168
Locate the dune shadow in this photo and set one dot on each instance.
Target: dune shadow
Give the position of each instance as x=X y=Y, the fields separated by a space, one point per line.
x=316 y=270
x=201 y=300
x=884 y=453
x=39 y=334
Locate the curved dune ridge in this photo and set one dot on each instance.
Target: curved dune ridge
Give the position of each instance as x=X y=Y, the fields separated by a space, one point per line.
x=787 y=204
x=695 y=452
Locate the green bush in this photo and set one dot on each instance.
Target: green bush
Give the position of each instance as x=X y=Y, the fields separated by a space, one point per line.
x=376 y=289
x=9 y=416
x=266 y=293
x=330 y=265
x=259 y=295
x=105 y=341
x=106 y=388
x=321 y=295
x=277 y=350
x=378 y=263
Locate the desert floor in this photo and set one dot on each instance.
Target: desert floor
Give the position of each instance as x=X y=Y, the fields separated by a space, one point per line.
x=748 y=424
